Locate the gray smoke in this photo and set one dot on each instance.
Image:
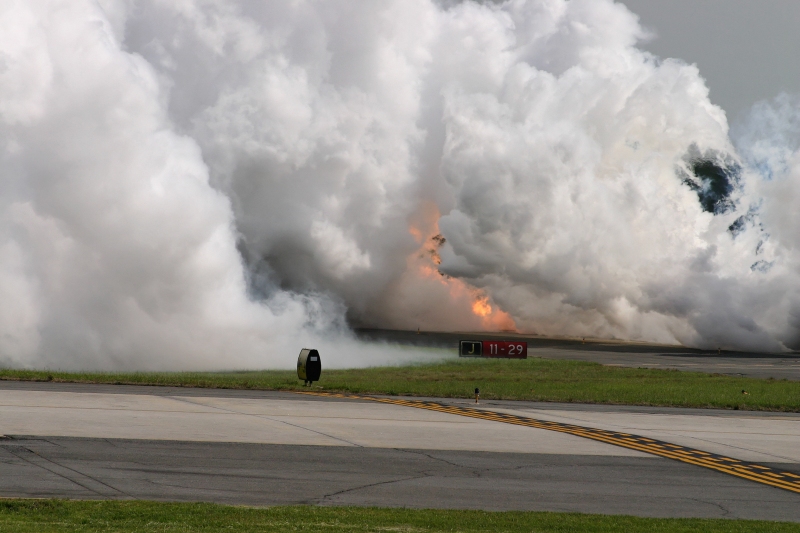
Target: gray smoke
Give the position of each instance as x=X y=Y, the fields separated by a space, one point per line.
x=215 y=184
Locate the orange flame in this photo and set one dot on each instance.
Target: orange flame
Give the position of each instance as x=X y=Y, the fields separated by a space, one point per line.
x=481 y=306
x=424 y=227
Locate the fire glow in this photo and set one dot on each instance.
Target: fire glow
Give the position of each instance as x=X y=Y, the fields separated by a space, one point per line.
x=481 y=307
x=424 y=263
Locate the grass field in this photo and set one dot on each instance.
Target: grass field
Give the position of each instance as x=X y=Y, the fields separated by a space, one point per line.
x=46 y=516
x=531 y=379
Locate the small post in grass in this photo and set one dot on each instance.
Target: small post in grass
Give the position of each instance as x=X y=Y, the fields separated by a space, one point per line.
x=477 y=394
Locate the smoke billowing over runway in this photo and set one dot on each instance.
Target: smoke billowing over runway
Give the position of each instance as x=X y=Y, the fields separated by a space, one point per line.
x=212 y=184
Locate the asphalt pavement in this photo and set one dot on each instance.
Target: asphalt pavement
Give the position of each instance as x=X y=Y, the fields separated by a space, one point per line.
x=268 y=474
x=268 y=448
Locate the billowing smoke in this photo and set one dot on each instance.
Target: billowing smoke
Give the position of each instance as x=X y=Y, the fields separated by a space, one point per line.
x=214 y=184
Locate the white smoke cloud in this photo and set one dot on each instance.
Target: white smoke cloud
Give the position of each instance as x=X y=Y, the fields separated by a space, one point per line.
x=116 y=251
x=215 y=184
x=574 y=175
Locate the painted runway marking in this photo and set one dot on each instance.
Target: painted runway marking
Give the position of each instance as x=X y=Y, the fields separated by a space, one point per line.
x=754 y=472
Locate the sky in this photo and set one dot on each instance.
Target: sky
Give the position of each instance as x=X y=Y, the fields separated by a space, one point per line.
x=746 y=50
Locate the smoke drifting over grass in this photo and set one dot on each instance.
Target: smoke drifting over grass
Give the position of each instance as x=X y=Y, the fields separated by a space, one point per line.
x=214 y=184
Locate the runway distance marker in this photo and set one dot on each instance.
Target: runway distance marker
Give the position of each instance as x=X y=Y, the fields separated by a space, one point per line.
x=751 y=471
x=504 y=349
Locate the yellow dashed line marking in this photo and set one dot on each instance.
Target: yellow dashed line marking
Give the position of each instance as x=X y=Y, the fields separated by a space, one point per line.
x=753 y=472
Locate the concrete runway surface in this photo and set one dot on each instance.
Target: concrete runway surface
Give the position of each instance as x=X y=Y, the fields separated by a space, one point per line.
x=267 y=448
x=616 y=353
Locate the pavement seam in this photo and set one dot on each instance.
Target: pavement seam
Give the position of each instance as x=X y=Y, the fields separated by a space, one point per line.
x=751 y=471
x=14 y=450
x=264 y=417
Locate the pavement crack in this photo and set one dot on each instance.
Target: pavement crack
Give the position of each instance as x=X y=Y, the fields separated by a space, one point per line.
x=476 y=473
x=321 y=500
x=725 y=511
x=507 y=468
x=429 y=456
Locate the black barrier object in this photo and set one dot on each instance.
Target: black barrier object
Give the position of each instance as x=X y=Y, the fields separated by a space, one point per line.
x=309 y=366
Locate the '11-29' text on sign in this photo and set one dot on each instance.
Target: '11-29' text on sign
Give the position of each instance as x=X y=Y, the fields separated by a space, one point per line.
x=512 y=349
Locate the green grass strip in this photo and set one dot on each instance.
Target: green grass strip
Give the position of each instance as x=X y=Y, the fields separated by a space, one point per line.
x=45 y=516
x=532 y=379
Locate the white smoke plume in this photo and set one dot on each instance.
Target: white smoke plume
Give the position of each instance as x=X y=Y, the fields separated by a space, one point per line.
x=215 y=184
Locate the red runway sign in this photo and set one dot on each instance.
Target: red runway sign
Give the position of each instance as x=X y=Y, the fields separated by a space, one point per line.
x=510 y=349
